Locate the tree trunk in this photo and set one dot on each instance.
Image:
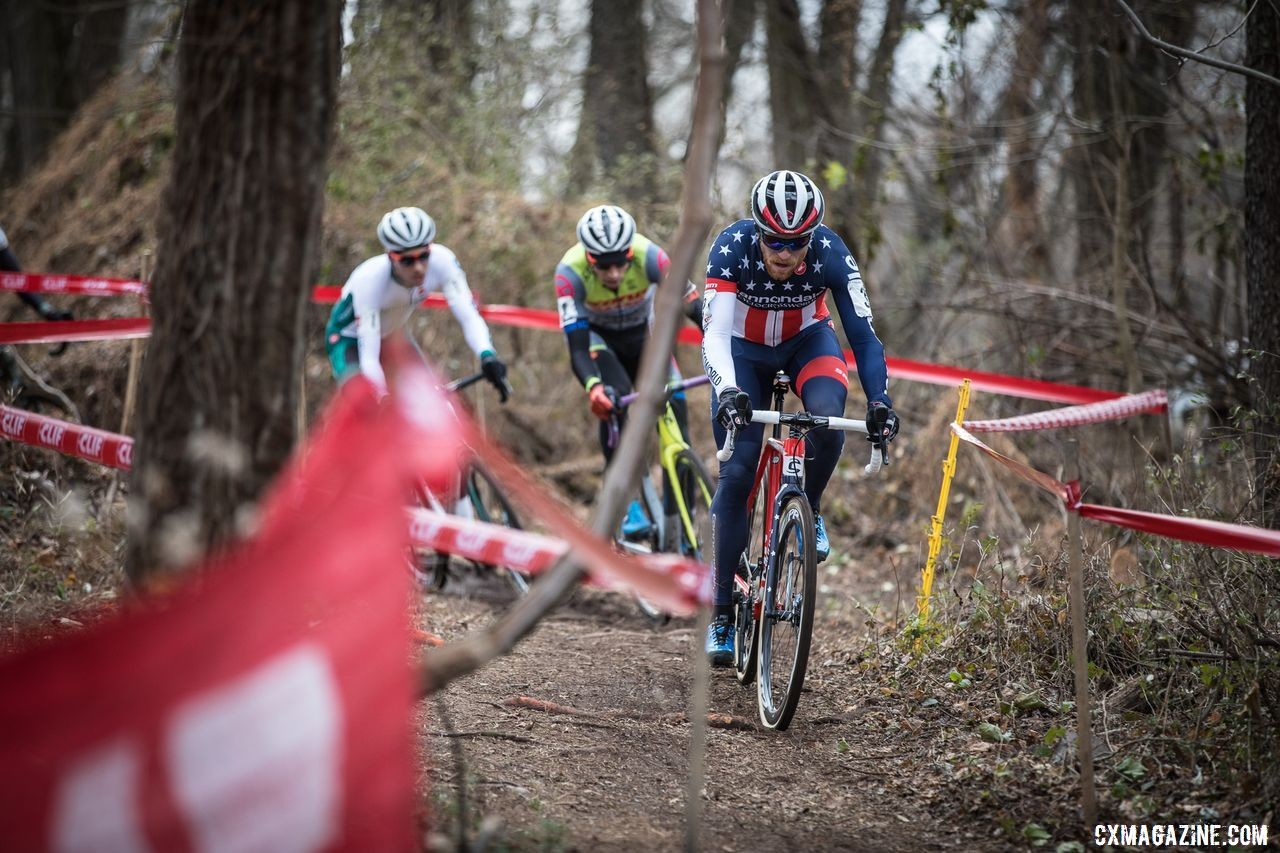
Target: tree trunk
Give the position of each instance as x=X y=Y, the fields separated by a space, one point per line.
x=239 y=244
x=451 y=50
x=1105 y=52
x=1149 y=99
x=1094 y=36
x=871 y=122
x=1177 y=293
x=740 y=22
x=1120 y=273
x=795 y=93
x=41 y=102
x=1262 y=248
x=56 y=56
x=616 y=129
x=837 y=59
x=1023 y=237
x=95 y=46
x=435 y=38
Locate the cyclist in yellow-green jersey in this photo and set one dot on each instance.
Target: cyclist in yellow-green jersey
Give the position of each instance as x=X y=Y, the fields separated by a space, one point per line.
x=604 y=292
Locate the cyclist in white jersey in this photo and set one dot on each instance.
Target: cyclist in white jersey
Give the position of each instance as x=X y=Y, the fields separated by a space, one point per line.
x=382 y=293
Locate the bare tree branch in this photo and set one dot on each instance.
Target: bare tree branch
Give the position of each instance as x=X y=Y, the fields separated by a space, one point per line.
x=1190 y=54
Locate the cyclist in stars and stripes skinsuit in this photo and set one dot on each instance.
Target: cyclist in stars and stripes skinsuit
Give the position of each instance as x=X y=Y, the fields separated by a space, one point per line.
x=765 y=310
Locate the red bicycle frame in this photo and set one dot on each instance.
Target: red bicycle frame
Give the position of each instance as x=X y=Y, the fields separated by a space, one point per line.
x=781 y=466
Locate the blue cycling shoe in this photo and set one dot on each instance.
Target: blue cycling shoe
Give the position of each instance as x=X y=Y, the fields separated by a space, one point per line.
x=720 y=641
x=635 y=523
x=822 y=548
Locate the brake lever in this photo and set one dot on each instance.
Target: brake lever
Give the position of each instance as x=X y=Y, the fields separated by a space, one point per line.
x=730 y=439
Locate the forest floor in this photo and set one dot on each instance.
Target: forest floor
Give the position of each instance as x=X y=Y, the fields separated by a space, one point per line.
x=881 y=755
x=867 y=764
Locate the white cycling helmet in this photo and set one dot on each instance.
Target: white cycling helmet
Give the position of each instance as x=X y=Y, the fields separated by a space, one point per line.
x=606 y=229
x=787 y=204
x=406 y=228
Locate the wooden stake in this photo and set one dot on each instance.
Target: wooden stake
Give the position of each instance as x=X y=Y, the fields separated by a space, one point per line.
x=698 y=698
x=135 y=356
x=302 y=399
x=1079 y=650
x=131 y=382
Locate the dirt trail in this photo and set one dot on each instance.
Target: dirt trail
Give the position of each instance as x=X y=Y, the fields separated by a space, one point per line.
x=834 y=781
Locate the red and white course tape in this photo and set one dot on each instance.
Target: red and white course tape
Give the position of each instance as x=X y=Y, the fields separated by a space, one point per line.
x=71 y=331
x=899 y=368
x=1219 y=534
x=540 y=318
x=1092 y=413
x=532 y=553
x=35 y=282
x=95 y=445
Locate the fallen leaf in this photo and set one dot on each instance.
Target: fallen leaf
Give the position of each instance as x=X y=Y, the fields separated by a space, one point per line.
x=1124 y=568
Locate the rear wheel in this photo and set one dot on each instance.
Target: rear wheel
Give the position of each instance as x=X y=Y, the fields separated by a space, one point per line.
x=751 y=569
x=786 y=619
x=491 y=505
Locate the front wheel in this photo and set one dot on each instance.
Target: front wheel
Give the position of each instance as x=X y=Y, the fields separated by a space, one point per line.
x=490 y=504
x=692 y=493
x=786 y=617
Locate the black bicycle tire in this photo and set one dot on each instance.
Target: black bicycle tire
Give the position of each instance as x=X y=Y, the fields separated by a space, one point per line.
x=775 y=715
x=746 y=626
x=518 y=580
x=652 y=611
x=702 y=497
x=430 y=567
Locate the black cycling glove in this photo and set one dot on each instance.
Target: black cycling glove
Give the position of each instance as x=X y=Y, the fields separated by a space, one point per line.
x=882 y=423
x=735 y=409
x=496 y=372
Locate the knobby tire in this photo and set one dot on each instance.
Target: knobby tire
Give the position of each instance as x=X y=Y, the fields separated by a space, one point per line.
x=491 y=505
x=786 y=620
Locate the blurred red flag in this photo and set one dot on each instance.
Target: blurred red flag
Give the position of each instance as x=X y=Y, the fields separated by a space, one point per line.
x=262 y=705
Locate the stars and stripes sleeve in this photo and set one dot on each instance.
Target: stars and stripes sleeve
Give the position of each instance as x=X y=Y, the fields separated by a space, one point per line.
x=720 y=298
x=724 y=261
x=844 y=280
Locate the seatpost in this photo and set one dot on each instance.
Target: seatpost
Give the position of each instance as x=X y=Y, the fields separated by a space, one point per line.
x=781 y=384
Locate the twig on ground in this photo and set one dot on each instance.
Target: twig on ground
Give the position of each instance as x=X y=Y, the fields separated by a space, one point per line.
x=487 y=733
x=544 y=705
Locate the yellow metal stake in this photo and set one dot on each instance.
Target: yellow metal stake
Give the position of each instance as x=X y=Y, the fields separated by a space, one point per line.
x=935 y=534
